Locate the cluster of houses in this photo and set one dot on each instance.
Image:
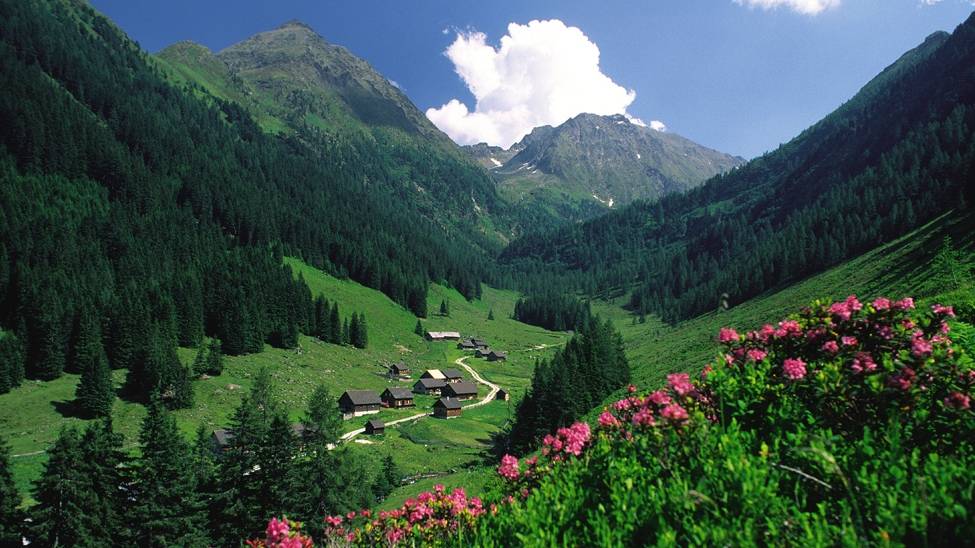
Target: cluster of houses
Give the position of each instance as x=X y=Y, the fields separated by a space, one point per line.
x=482 y=349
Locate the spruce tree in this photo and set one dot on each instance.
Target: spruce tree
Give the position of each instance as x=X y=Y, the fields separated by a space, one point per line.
x=363 y=332
x=167 y=510
x=354 y=335
x=11 y=362
x=214 y=363
x=418 y=329
x=444 y=308
x=11 y=518
x=491 y=314
x=387 y=480
x=346 y=332
x=335 y=325
x=200 y=361
x=59 y=517
x=95 y=394
x=322 y=421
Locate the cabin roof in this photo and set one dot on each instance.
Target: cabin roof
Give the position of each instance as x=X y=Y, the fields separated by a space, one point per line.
x=452 y=374
x=361 y=397
x=447 y=403
x=399 y=393
x=431 y=383
x=461 y=388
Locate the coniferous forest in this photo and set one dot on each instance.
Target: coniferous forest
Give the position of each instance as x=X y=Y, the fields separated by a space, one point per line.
x=160 y=242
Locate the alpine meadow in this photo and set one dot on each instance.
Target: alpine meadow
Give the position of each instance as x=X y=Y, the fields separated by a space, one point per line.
x=455 y=283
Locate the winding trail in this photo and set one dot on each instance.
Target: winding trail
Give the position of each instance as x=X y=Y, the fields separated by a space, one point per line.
x=483 y=401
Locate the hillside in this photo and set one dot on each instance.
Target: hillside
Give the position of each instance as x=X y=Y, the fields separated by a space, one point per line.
x=895 y=156
x=295 y=83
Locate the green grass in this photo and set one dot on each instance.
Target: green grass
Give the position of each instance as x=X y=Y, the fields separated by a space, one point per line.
x=32 y=415
x=903 y=267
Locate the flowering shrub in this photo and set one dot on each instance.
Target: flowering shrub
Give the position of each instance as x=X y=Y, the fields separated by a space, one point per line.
x=849 y=423
x=282 y=534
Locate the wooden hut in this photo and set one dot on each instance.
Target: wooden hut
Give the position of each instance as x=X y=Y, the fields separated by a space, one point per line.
x=446 y=408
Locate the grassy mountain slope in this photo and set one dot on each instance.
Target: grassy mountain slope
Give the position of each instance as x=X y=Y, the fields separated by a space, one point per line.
x=895 y=156
x=32 y=415
x=294 y=82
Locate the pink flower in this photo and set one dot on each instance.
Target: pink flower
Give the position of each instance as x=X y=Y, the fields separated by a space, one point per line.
x=766 y=332
x=643 y=417
x=958 y=400
x=509 y=468
x=863 y=362
x=903 y=379
x=794 y=369
x=631 y=389
x=841 y=311
x=881 y=303
x=608 y=420
x=727 y=335
x=674 y=412
x=849 y=341
x=659 y=397
x=943 y=310
x=853 y=303
x=906 y=303
x=756 y=354
x=885 y=332
x=277 y=530
x=920 y=347
x=334 y=521
x=831 y=347
x=789 y=328
x=681 y=383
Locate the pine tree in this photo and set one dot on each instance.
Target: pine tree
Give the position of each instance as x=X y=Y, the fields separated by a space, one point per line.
x=491 y=314
x=346 y=332
x=387 y=480
x=419 y=328
x=11 y=362
x=95 y=394
x=335 y=324
x=354 y=334
x=11 y=518
x=444 y=308
x=167 y=510
x=214 y=363
x=59 y=517
x=200 y=361
x=323 y=425
x=276 y=455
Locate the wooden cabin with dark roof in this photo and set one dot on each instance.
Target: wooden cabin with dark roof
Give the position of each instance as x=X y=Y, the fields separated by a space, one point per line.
x=446 y=408
x=375 y=427
x=502 y=395
x=461 y=390
x=452 y=375
x=496 y=356
x=399 y=371
x=429 y=386
x=355 y=403
x=396 y=397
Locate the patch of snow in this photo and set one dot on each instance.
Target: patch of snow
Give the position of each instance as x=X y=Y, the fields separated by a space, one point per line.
x=364 y=442
x=496 y=162
x=611 y=202
x=618 y=122
x=638 y=156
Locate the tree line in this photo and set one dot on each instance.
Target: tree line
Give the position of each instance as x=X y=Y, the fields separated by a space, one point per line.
x=194 y=493
x=590 y=367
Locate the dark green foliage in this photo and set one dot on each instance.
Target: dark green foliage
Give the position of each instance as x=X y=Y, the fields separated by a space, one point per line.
x=358 y=335
x=80 y=496
x=335 y=325
x=346 y=332
x=419 y=328
x=387 y=480
x=214 y=361
x=444 y=307
x=11 y=518
x=590 y=367
x=167 y=510
x=11 y=362
x=323 y=424
x=95 y=394
x=161 y=373
x=490 y=314
x=558 y=312
x=199 y=366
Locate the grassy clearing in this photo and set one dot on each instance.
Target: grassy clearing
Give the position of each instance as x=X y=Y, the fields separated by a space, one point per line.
x=32 y=415
x=902 y=267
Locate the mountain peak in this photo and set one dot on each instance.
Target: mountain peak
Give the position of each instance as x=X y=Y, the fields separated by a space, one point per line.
x=295 y=24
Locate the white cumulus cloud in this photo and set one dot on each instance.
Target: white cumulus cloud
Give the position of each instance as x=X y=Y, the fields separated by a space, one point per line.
x=805 y=7
x=542 y=73
x=658 y=125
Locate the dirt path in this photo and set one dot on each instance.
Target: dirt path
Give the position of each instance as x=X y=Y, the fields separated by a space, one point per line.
x=483 y=401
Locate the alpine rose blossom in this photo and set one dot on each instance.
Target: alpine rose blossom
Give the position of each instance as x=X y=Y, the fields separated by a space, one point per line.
x=958 y=400
x=509 y=468
x=727 y=335
x=608 y=420
x=881 y=303
x=794 y=368
x=674 y=412
x=831 y=347
x=681 y=383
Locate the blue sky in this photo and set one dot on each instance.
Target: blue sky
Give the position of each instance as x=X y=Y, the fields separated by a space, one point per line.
x=739 y=78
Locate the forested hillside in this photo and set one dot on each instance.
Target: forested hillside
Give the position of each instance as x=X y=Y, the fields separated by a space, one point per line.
x=895 y=156
x=165 y=216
